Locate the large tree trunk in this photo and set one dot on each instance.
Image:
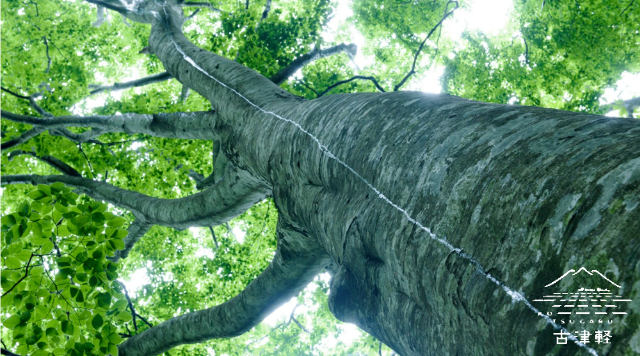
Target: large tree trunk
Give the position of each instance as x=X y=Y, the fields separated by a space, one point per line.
x=444 y=221
x=444 y=218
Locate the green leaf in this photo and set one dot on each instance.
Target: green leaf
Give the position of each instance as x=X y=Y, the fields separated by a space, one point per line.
x=24 y=255
x=104 y=300
x=97 y=217
x=24 y=316
x=12 y=321
x=93 y=281
x=97 y=254
x=97 y=321
x=36 y=194
x=12 y=262
x=67 y=327
x=8 y=220
x=24 y=210
x=115 y=338
x=116 y=222
x=47 y=247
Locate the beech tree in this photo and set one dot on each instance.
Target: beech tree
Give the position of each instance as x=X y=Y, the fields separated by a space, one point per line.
x=441 y=220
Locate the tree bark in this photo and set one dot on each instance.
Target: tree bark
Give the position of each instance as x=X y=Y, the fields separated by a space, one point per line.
x=443 y=217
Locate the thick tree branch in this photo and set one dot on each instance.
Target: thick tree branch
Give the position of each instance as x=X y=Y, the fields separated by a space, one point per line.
x=24 y=137
x=234 y=194
x=220 y=163
x=136 y=230
x=314 y=55
x=629 y=105
x=100 y=17
x=298 y=259
x=199 y=125
x=50 y=160
x=372 y=79
x=155 y=78
x=415 y=58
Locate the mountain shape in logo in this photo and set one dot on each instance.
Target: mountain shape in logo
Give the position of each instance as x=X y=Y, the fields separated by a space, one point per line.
x=582 y=269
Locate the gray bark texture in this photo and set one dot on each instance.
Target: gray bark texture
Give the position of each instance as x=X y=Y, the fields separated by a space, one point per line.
x=440 y=218
x=520 y=194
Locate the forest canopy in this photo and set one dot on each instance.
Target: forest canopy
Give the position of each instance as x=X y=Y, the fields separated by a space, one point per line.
x=71 y=281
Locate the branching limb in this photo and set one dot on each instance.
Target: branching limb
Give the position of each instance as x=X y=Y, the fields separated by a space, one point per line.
x=415 y=58
x=194 y=125
x=236 y=192
x=220 y=163
x=372 y=79
x=108 y=5
x=155 y=78
x=200 y=4
x=101 y=17
x=133 y=311
x=184 y=94
x=193 y=14
x=50 y=160
x=629 y=105
x=36 y=107
x=298 y=259
x=46 y=44
x=24 y=137
x=136 y=230
x=8 y=353
x=26 y=273
x=267 y=8
x=314 y=55
x=14 y=94
x=213 y=235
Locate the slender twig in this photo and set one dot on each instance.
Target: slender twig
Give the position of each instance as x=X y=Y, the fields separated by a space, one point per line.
x=36 y=5
x=304 y=83
x=213 y=234
x=46 y=44
x=526 y=50
x=50 y=160
x=300 y=325
x=628 y=6
x=133 y=311
x=58 y=49
x=26 y=273
x=380 y=349
x=415 y=58
x=144 y=320
x=87 y=159
x=372 y=79
x=14 y=94
x=193 y=14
